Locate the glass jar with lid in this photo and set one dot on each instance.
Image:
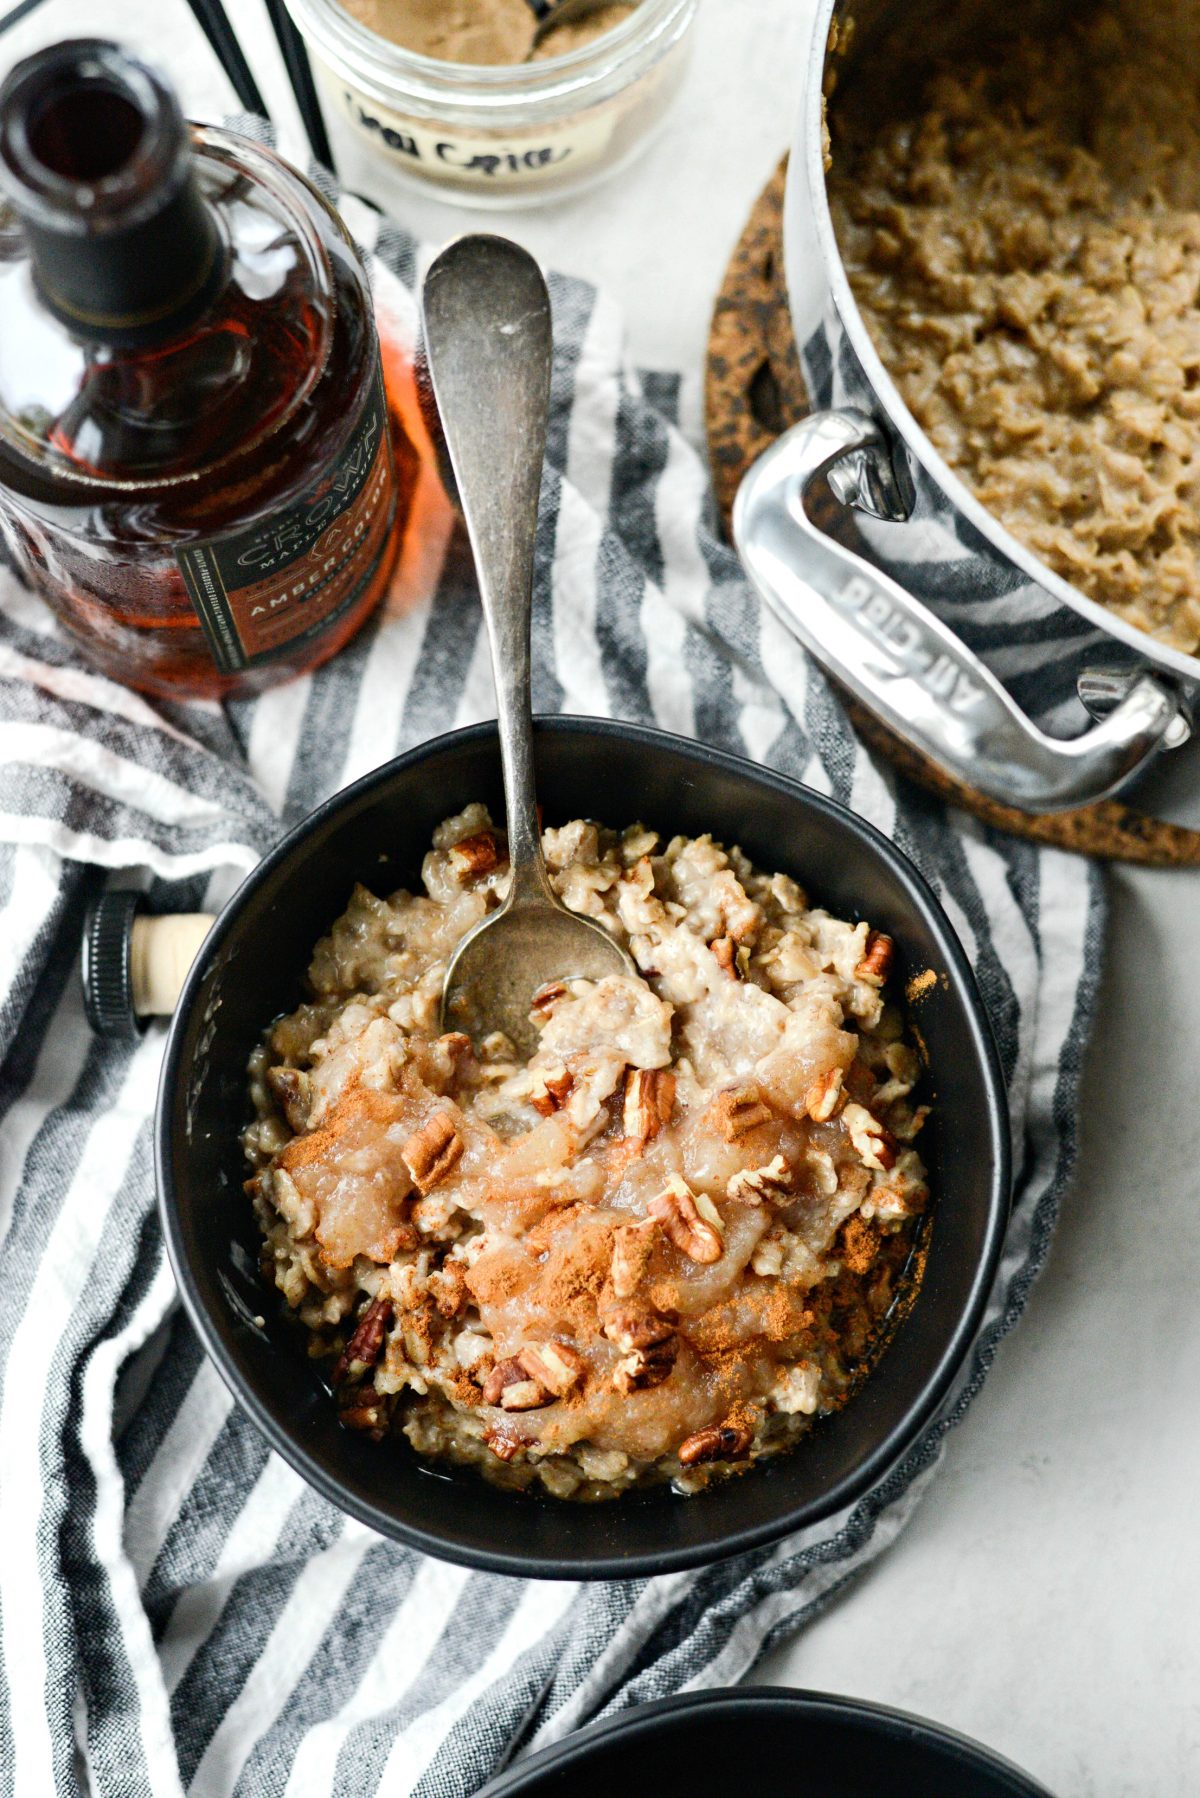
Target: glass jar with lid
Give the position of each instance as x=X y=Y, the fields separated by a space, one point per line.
x=508 y=135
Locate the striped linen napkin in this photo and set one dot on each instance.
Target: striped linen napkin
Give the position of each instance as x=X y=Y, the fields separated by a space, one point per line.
x=180 y=1613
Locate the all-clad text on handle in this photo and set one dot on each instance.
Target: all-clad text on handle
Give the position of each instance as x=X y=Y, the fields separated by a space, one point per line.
x=906 y=665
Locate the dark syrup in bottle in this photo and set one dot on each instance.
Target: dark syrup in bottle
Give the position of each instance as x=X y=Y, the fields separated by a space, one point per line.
x=197 y=472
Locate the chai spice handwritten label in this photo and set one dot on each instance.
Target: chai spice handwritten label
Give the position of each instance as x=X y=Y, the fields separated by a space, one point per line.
x=486 y=160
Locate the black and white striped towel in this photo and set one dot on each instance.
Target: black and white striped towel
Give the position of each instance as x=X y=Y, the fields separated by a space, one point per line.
x=180 y=1613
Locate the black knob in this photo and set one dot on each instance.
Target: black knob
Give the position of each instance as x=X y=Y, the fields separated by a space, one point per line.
x=105 y=965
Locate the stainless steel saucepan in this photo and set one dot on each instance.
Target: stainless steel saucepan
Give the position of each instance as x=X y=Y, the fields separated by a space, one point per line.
x=908 y=591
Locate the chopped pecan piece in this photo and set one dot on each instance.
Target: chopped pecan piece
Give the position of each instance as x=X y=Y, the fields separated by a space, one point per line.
x=738 y=1110
x=649 y=1101
x=630 y=1329
x=915 y=1124
x=433 y=1215
x=545 y=999
x=367 y=1415
x=502 y=1445
x=877 y=958
x=797 y=1389
x=293 y=1090
x=770 y=1252
x=720 y=1442
x=891 y=1201
x=555 y=1366
x=825 y=1095
x=475 y=856
x=873 y=1141
x=509 y=1386
x=725 y=950
x=823 y=1171
x=551 y=1090
x=648 y=1348
x=690 y=1219
x=742 y=915
x=646 y=1367
x=432 y=1151
x=448 y=1287
x=362 y=1350
x=633 y=1245
x=447 y=1060
x=756 y=1185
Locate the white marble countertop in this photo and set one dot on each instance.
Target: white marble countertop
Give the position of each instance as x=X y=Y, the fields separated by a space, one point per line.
x=1045 y=1599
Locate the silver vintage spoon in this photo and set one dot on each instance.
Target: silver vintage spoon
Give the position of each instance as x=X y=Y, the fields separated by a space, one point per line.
x=489 y=349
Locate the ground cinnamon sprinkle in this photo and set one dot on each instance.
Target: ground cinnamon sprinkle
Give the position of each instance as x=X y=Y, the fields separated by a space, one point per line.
x=574 y=1275
x=664 y=1294
x=594 y=1382
x=725 y=1368
x=716 y=1333
x=786 y=1314
x=919 y=985
x=359 y=1103
x=464 y=1391
x=419 y=1322
x=858 y=1246
x=453 y=1296
x=499 y=1277
x=619 y=1153
x=636 y=1246
x=782 y=1316
x=743 y=1416
x=538 y=1240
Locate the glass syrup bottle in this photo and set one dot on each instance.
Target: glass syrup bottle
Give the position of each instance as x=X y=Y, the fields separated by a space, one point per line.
x=196 y=468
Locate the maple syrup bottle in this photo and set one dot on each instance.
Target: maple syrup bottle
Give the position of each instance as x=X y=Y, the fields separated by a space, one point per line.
x=196 y=467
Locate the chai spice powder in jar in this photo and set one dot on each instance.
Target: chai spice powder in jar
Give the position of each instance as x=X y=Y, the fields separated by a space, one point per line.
x=456 y=95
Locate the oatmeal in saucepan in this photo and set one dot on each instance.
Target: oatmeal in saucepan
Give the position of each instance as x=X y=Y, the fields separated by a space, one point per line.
x=1023 y=239
x=656 y=1249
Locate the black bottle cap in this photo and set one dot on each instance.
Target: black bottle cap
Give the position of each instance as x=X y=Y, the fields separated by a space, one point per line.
x=105 y=964
x=96 y=161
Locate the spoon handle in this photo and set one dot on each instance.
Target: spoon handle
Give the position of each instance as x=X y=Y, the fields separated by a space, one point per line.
x=489 y=349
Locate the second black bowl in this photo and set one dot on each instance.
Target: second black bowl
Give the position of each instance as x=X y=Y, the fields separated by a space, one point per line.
x=806 y=1742
x=251 y=968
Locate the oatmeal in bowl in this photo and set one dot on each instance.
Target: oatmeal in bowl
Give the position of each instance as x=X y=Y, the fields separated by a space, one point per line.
x=654 y=1251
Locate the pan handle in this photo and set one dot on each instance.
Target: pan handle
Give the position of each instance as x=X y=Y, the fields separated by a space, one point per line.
x=898 y=658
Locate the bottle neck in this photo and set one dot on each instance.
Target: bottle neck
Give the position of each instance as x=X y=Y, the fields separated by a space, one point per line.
x=96 y=161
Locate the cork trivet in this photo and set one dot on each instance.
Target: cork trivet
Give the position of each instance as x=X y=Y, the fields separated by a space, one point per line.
x=753 y=390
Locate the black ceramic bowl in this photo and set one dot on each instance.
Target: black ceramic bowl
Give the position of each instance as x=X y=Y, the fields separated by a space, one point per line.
x=251 y=968
x=794 y=1741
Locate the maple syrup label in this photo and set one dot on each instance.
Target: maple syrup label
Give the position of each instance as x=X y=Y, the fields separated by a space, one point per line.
x=285 y=579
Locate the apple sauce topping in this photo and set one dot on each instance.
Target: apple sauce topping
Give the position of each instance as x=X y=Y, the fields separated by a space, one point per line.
x=656 y=1249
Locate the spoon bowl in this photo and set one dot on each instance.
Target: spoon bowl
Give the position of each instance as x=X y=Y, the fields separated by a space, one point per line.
x=497 y=972
x=489 y=349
